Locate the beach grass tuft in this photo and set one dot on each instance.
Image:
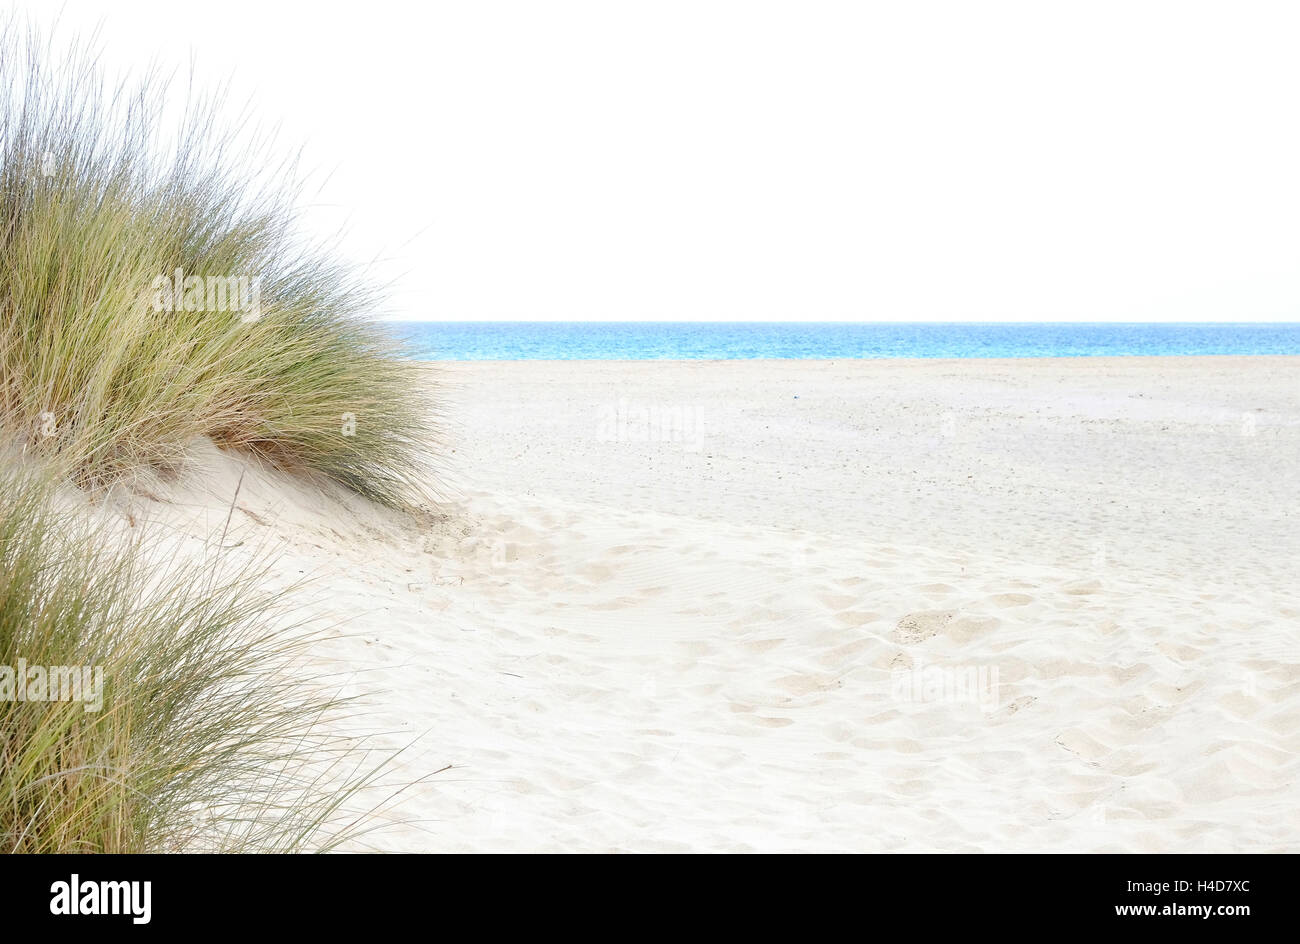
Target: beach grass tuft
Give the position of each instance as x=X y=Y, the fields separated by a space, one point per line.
x=153 y=703
x=154 y=289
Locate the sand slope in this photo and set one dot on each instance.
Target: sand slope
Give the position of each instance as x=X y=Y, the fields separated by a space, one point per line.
x=1038 y=605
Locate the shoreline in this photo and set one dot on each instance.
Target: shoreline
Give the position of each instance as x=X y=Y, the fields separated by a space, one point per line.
x=1118 y=358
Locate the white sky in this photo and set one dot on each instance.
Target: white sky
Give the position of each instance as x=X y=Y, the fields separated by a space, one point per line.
x=794 y=160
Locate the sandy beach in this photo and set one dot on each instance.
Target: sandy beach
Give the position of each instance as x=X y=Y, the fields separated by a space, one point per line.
x=805 y=605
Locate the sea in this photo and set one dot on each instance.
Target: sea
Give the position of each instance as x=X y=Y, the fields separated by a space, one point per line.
x=676 y=340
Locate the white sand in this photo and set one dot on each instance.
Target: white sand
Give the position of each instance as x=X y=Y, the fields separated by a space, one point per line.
x=682 y=606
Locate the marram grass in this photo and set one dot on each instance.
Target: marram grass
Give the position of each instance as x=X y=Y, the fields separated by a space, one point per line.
x=152 y=292
x=269 y=346
x=193 y=730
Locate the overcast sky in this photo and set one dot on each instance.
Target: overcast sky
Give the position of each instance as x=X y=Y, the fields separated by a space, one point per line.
x=793 y=160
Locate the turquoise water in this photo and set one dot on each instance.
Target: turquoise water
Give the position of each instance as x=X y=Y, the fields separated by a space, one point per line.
x=651 y=340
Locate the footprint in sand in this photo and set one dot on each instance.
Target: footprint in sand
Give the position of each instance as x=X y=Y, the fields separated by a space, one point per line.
x=1081 y=588
x=836 y=601
x=767 y=722
x=1012 y=599
x=919 y=626
x=968 y=628
x=855 y=617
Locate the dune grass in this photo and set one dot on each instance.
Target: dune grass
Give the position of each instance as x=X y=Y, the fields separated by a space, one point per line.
x=102 y=203
x=113 y=361
x=200 y=735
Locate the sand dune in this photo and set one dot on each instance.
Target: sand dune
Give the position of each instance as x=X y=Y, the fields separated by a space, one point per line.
x=860 y=606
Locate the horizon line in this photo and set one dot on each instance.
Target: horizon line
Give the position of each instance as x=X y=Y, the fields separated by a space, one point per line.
x=839 y=321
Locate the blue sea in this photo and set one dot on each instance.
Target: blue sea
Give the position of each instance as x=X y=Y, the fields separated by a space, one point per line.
x=653 y=340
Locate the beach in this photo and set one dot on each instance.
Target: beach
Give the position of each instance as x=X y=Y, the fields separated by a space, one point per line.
x=891 y=605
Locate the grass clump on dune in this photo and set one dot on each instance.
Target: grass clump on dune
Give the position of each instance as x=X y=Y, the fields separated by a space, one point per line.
x=153 y=292
x=104 y=211
x=197 y=736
